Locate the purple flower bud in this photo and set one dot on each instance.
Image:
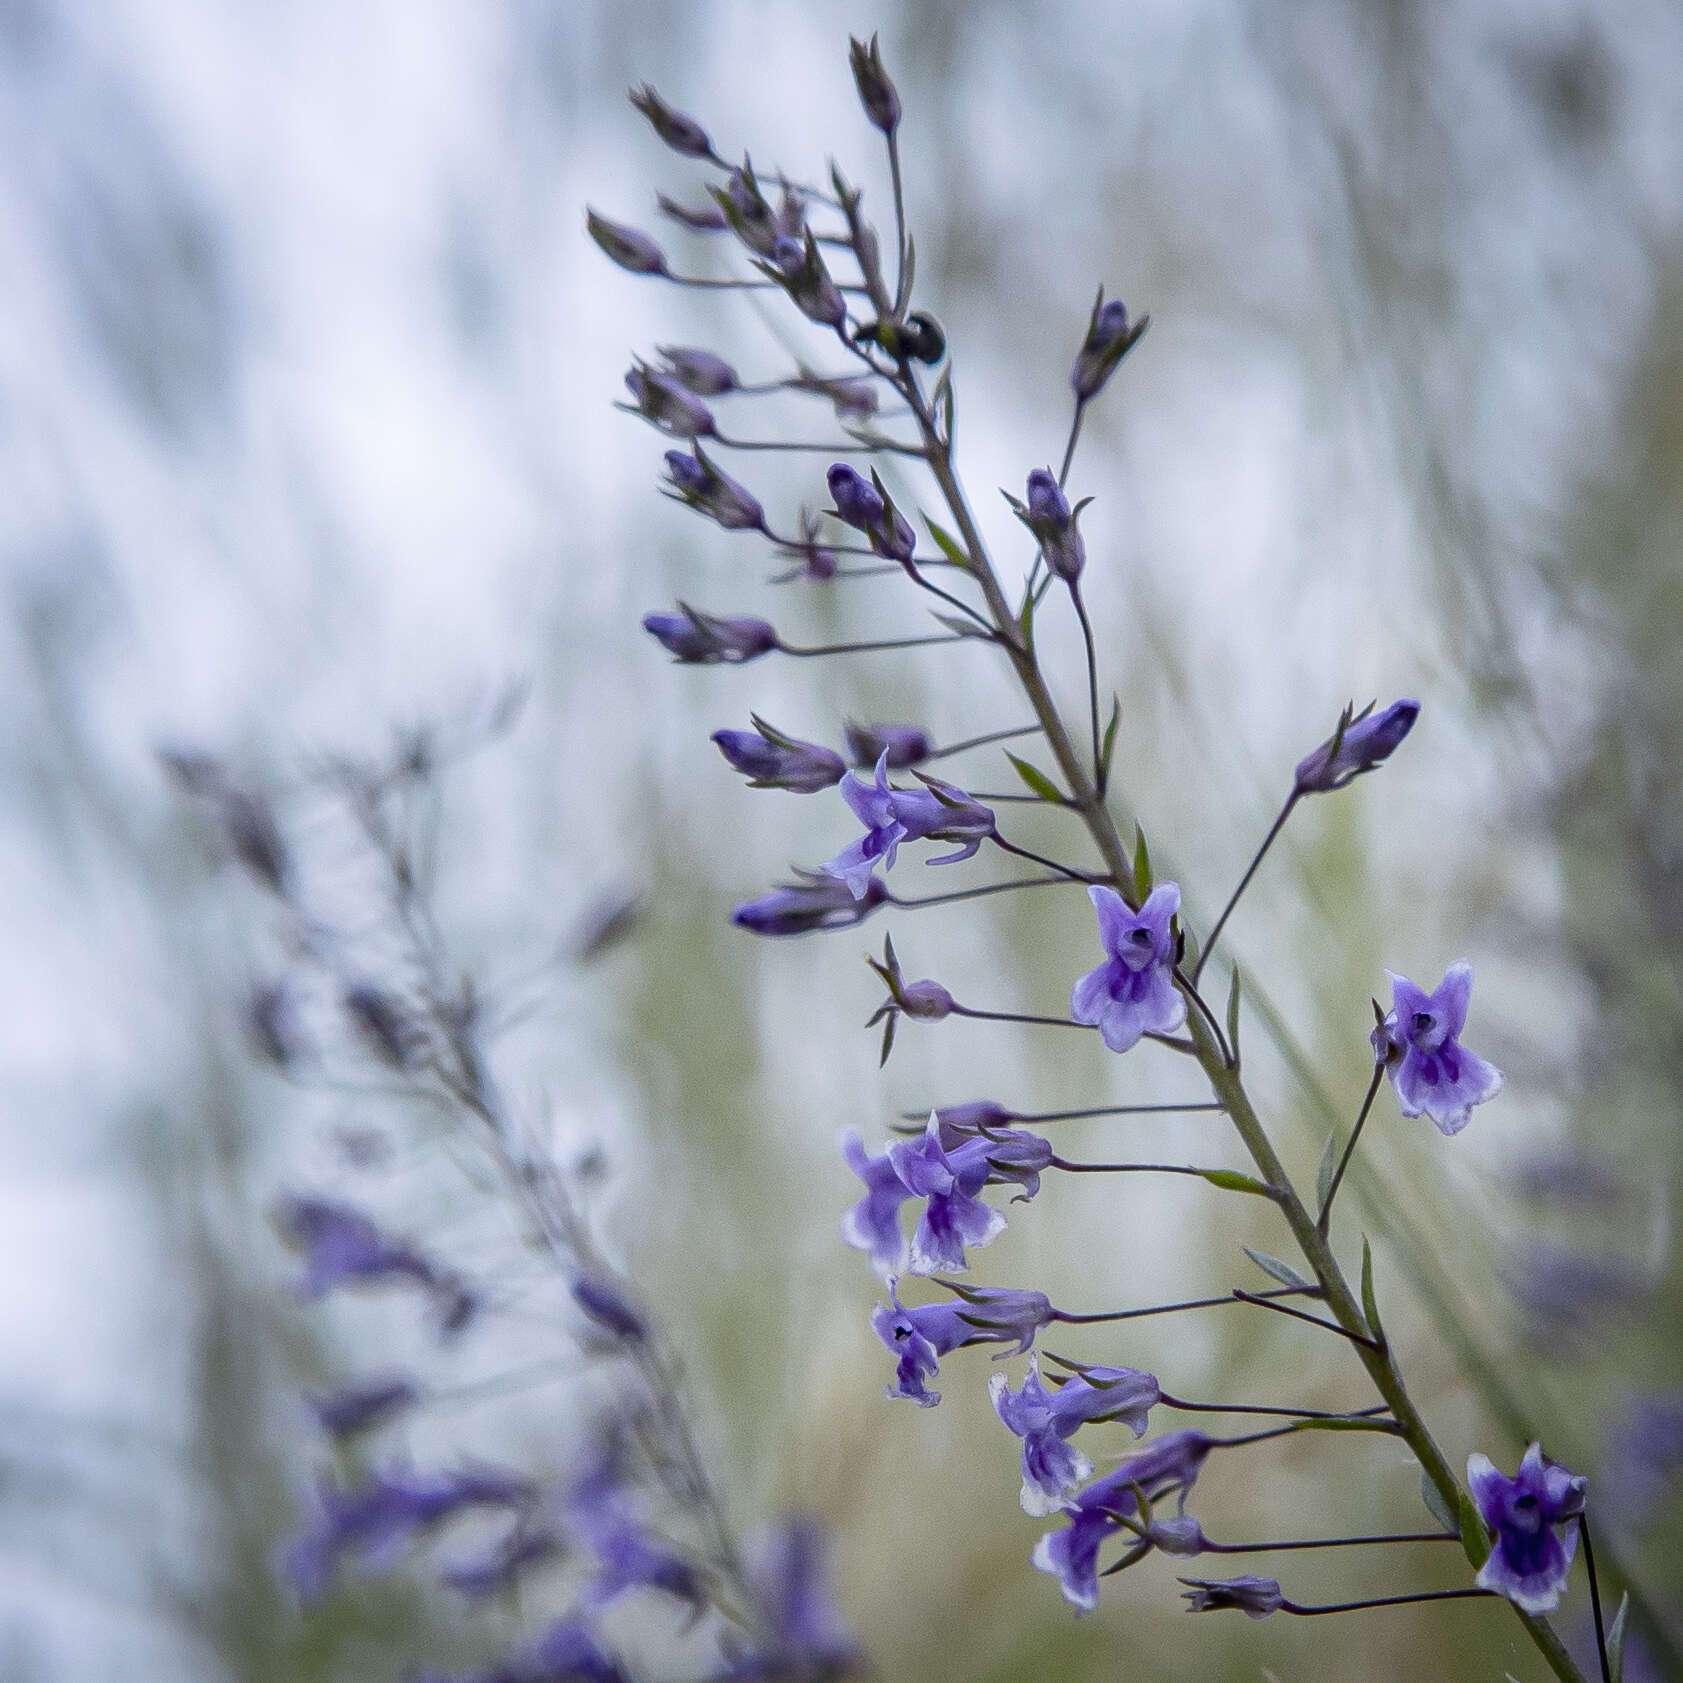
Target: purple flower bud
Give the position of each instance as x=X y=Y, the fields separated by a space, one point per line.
x=699 y=639
x=775 y=761
x=1257 y=1597
x=602 y=1300
x=1047 y=514
x=1109 y=338
x=683 y=134
x=626 y=246
x=1358 y=745
x=863 y=506
x=710 y=220
x=876 y=92
x=356 y=1408
x=903 y=745
x=873 y=1224
x=744 y=206
x=926 y=1001
x=342 y=1244
x=975 y=1117
x=854 y=399
x=699 y=371
x=799 y=908
x=799 y=268
x=695 y=481
x=667 y=404
x=788 y=254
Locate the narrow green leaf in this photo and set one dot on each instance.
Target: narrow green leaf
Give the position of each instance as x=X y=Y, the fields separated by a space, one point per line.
x=1036 y=779
x=1475 y=1540
x=963 y=627
x=1230 y=1180
x=1025 y=620
x=1344 y=1423
x=887 y=1037
x=1109 y=747
x=1439 y=1509
x=1233 y=1016
x=1142 y=863
x=1616 y=1641
x=946 y=542
x=1324 y=1174
x=1370 y=1307
x=1282 y=1271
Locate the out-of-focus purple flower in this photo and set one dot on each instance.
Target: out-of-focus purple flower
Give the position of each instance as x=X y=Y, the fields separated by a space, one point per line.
x=773 y=760
x=1256 y=1597
x=976 y=1116
x=1435 y=1076
x=498 y=1570
x=920 y=1336
x=1566 y=1297
x=1644 y=1455
x=683 y=134
x=341 y=1244
x=876 y=92
x=357 y=1408
x=698 y=483
x=939 y=812
x=698 y=639
x=863 y=505
x=672 y=407
x=873 y=1224
x=627 y=247
x=1133 y=992
x=1359 y=744
x=797 y=266
x=386 y=1028
x=1045 y=1420
x=699 y=371
x=799 y=908
x=1110 y=337
x=708 y=220
x=628 y=1560
x=818 y=561
x=747 y=211
x=271 y=1022
x=567 y=1652
x=1529 y=1513
x=605 y=1303
x=1048 y=515
x=900 y=745
x=953 y=1215
x=854 y=397
x=802 y=1636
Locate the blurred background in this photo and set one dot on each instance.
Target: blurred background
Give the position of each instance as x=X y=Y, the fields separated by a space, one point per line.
x=305 y=373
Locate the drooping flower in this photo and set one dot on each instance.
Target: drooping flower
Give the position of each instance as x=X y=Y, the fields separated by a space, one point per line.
x=698 y=639
x=1133 y=992
x=904 y=745
x=1434 y=1075
x=1530 y=1514
x=939 y=812
x=1045 y=1420
x=1358 y=745
x=1255 y=1597
x=773 y=760
x=697 y=482
x=1048 y=515
x=873 y=1224
x=801 y=1635
x=918 y=1337
x=863 y=505
x=953 y=1215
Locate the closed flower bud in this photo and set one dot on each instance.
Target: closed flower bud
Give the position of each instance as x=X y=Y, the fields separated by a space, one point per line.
x=709 y=220
x=747 y=211
x=904 y=745
x=626 y=246
x=797 y=266
x=605 y=1304
x=1048 y=515
x=683 y=134
x=1359 y=744
x=818 y=902
x=1110 y=337
x=865 y=507
x=876 y=92
x=699 y=639
x=775 y=761
x=667 y=404
x=699 y=371
x=694 y=480
x=1257 y=1597
x=855 y=399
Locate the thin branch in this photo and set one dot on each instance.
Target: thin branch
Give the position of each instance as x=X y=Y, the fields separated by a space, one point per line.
x=1244 y=882
x=1325 y=1217
x=1298 y=1314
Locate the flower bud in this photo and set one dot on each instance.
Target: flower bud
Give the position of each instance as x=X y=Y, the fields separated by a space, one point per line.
x=855 y=399
x=799 y=269
x=876 y=92
x=1359 y=744
x=694 y=480
x=775 y=761
x=699 y=371
x=905 y=745
x=817 y=562
x=710 y=220
x=745 y=209
x=383 y=1024
x=818 y=902
x=668 y=405
x=605 y=1304
x=683 y=134
x=866 y=507
x=977 y=1116
x=1048 y=515
x=626 y=246
x=1257 y=1597
x=1109 y=338
x=699 y=639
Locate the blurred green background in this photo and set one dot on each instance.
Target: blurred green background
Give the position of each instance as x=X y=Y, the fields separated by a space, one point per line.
x=304 y=432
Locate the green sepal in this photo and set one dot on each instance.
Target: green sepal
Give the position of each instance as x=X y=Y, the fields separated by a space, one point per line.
x=1370 y=1307
x=1475 y=1540
x=1037 y=780
x=1109 y=746
x=888 y=1028
x=1324 y=1174
x=1142 y=863
x=1233 y=1016
x=1281 y=1271
x=1230 y=1180
x=1616 y=1641
x=1435 y=1504
x=946 y=542
x=905 y=291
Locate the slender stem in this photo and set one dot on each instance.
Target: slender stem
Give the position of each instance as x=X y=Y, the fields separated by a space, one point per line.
x=1387 y=1601
x=1130 y=1168
x=982 y=741
x=1255 y=1437
x=899 y=220
x=1260 y=1408
x=951 y=600
x=1313 y=1320
x=1325 y=1217
x=828 y=448
x=1244 y=882
x=1595 y=1602
x=1330 y=1542
x=1080 y=1115
x=806 y=652
x=1074 y=434
x=1092 y=684
x=1018 y=1017
x=914 y=903
x=1040 y=859
x=1175 y=1308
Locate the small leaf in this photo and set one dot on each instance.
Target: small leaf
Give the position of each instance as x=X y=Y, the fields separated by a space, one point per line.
x=1025 y=620
x=904 y=294
x=1324 y=1174
x=1439 y=1509
x=1109 y=747
x=1230 y=1180
x=1370 y=1307
x=1142 y=863
x=1037 y=780
x=946 y=543
x=887 y=1038
x=963 y=627
x=1282 y=1271
x=1475 y=1540
x=1616 y=1641
x=1233 y=1016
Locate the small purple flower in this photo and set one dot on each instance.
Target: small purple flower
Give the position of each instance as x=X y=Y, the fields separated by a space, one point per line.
x=1109 y=338
x=683 y=134
x=797 y=266
x=799 y=908
x=1435 y=1075
x=801 y=1635
x=1045 y=1420
x=567 y=1652
x=903 y=745
x=629 y=1560
x=357 y=1408
x=607 y=1306
x=341 y=1244
x=1048 y=515
x=977 y=1116
x=1256 y=1597
x=855 y=399
x=698 y=639
x=625 y=246
x=873 y=1224
x=1133 y=992
x=1358 y=745
x=773 y=760
x=919 y=1336
x=939 y=812
x=953 y=1215
x=699 y=371
x=876 y=92
x=1532 y=1558
x=863 y=506
x=751 y=218
x=668 y=405
x=696 y=482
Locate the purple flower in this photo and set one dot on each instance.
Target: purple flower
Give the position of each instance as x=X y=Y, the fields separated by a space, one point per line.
x=1358 y=745
x=801 y=1633
x=698 y=639
x=606 y=1304
x=873 y=1224
x=1045 y=1420
x=903 y=745
x=1257 y=1597
x=1048 y=515
x=1435 y=1075
x=1532 y=1558
x=919 y=1336
x=667 y=404
x=342 y=1244
x=751 y=218
x=876 y=92
x=974 y=1117
x=697 y=483
x=683 y=134
x=772 y=760
x=797 y=266
x=629 y=1560
x=953 y=1215
x=939 y=812
x=1133 y=992
x=855 y=399
x=1109 y=338
x=499 y=1569
x=820 y=902
x=699 y=371
x=626 y=246
x=566 y=1653
x=863 y=505
x=356 y=1408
